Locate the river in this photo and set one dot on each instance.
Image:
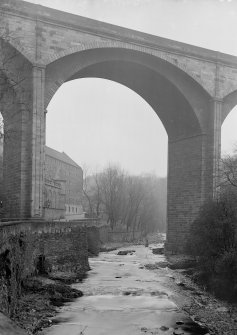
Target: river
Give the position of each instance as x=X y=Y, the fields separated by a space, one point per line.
x=122 y=297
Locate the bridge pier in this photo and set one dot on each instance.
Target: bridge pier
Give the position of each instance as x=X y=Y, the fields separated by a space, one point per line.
x=24 y=143
x=185 y=189
x=38 y=142
x=16 y=158
x=193 y=178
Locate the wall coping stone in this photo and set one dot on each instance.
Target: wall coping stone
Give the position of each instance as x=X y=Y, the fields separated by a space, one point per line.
x=122 y=34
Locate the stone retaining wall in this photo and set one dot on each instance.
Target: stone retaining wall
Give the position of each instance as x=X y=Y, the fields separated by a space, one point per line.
x=26 y=248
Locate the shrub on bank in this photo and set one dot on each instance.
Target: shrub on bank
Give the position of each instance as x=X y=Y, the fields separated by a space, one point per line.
x=213 y=241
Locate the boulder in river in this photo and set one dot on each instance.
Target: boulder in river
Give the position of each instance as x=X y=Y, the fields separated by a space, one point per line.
x=126 y=252
x=158 y=251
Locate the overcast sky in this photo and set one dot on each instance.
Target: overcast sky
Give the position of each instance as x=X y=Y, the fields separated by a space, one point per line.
x=97 y=121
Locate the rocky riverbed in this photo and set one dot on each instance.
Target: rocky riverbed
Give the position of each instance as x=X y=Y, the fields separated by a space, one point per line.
x=121 y=296
x=133 y=290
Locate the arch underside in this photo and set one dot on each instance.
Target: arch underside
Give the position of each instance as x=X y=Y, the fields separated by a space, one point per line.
x=176 y=98
x=173 y=110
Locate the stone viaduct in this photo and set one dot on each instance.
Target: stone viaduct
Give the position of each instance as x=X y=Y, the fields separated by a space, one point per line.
x=191 y=89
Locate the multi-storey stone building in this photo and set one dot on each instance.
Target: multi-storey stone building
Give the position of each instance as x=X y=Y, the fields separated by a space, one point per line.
x=62 y=188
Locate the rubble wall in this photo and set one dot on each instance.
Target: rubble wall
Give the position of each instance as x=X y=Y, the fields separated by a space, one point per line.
x=27 y=247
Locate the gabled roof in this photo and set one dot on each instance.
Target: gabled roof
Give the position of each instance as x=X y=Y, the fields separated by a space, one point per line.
x=61 y=156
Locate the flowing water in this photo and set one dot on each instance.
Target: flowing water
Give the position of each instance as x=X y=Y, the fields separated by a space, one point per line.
x=121 y=297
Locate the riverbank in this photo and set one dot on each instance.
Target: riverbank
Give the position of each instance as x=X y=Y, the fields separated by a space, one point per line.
x=220 y=317
x=167 y=292
x=40 y=299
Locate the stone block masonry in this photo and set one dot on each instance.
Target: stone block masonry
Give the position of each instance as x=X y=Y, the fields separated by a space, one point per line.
x=191 y=89
x=29 y=247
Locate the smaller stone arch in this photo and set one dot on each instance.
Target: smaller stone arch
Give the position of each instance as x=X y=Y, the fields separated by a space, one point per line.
x=229 y=102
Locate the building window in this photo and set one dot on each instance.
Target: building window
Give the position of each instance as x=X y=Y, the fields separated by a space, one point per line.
x=50 y=198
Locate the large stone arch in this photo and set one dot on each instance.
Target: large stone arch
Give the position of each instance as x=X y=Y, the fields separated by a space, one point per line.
x=80 y=57
x=136 y=48
x=68 y=66
x=180 y=102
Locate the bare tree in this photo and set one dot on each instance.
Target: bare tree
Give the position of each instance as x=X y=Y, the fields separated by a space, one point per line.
x=98 y=195
x=133 y=199
x=150 y=213
x=229 y=170
x=129 y=203
x=111 y=182
x=87 y=193
x=92 y=194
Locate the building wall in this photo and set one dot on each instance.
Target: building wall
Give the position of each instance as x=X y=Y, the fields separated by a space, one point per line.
x=54 y=195
x=63 y=189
